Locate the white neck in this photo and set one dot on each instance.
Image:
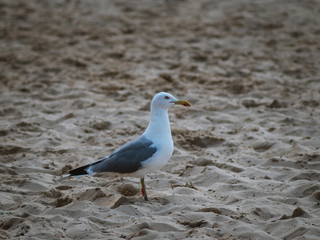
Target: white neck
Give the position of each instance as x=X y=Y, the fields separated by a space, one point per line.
x=159 y=125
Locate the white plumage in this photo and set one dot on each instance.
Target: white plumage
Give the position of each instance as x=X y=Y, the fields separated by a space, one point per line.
x=148 y=152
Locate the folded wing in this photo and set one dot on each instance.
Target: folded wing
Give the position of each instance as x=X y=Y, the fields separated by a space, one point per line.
x=126 y=159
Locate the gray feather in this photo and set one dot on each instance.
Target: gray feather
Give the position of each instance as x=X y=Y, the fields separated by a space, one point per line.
x=126 y=159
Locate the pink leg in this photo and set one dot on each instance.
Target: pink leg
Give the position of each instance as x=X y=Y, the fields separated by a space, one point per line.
x=143 y=189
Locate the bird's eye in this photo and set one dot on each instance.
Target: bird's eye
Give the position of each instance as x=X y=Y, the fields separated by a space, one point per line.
x=166 y=97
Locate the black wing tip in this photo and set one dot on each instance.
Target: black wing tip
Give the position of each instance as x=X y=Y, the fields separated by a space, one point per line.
x=79 y=171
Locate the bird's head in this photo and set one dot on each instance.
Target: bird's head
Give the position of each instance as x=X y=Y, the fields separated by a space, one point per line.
x=166 y=100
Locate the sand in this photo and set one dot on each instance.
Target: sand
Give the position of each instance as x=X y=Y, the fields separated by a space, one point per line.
x=77 y=78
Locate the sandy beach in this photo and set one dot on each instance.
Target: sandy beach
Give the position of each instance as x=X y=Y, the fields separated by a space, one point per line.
x=76 y=82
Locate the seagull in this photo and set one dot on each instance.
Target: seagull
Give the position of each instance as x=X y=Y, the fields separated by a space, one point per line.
x=148 y=152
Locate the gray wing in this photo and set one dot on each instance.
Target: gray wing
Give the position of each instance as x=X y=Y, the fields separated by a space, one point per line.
x=126 y=159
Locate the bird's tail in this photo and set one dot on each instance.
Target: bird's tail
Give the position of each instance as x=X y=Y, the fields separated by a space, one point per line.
x=84 y=170
x=80 y=171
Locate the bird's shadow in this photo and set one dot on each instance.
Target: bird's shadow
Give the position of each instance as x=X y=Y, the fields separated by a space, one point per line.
x=123 y=200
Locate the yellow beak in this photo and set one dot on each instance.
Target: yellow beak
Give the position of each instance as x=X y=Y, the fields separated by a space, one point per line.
x=183 y=103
